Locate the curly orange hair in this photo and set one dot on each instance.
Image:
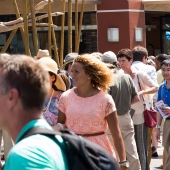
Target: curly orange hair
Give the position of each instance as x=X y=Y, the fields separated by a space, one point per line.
x=101 y=75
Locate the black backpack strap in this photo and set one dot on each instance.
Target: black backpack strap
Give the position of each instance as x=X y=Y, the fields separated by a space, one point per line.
x=41 y=131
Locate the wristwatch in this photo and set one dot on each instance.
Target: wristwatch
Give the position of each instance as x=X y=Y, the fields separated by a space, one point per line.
x=124 y=163
x=157 y=127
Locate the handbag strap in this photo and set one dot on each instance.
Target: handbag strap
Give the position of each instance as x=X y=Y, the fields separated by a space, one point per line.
x=48 y=104
x=142 y=95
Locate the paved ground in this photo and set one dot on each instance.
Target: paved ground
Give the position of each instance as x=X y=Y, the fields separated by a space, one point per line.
x=156 y=162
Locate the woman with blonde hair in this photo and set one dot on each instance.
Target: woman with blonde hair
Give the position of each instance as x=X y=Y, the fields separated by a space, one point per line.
x=87 y=109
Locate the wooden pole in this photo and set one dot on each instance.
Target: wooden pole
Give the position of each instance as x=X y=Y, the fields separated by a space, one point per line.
x=34 y=29
x=62 y=35
x=56 y=57
x=80 y=24
x=49 y=26
x=76 y=24
x=69 y=26
x=21 y=28
x=9 y=41
x=26 y=26
x=28 y=6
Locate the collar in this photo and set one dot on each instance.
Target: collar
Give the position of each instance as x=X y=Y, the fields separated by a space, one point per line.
x=34 y=123
x=137 y=62
x=164 y=85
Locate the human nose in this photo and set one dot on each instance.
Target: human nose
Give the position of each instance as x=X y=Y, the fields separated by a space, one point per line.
x=120 y=64
x=72 y=74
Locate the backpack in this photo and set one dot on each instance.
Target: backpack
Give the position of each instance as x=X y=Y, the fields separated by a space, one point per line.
x=81 y=153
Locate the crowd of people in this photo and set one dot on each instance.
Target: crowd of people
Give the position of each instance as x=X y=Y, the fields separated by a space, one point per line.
x=89 y=95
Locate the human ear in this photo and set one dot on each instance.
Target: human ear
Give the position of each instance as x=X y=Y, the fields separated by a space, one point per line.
x=131 y=61
x=53 y=77
x=13 y=96
x=88 y=76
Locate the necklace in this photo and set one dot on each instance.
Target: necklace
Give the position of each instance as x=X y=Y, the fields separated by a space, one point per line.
x=48 y=105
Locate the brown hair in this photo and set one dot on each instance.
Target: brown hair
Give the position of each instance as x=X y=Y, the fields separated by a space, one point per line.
x=27 y=76
x=101 y=75
x=127 y=53
x=139 y=52
x=66 y=80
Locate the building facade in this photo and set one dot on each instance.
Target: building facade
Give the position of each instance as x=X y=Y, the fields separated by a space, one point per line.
x=133 y=22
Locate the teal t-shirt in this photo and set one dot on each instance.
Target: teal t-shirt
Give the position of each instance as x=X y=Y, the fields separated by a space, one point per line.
x=37 y=151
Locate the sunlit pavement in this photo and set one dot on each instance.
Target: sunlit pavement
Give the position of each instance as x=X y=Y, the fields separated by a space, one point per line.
x=156 y=162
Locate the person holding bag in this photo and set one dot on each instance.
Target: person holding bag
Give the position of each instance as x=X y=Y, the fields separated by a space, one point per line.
x=148 y=86
x=150 y=115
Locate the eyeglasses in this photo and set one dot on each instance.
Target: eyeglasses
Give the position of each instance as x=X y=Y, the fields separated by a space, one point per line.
x=163 y=70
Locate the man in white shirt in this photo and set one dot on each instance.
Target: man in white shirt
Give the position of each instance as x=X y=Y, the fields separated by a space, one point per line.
x=140 y=55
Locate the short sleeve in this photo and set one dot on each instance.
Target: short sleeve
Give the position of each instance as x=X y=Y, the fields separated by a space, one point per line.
x=110 y=105
x=62 y=104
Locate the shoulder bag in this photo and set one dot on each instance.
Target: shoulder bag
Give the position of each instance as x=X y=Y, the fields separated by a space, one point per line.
x=150 y=116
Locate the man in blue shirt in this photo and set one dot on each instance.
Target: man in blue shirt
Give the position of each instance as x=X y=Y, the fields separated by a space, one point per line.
x=24 y=85
x=164 y=94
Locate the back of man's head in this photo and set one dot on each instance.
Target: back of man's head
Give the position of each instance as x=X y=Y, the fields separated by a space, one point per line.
x=27 y=76
x=139 y=53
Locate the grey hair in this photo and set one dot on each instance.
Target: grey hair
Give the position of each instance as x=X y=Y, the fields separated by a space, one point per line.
x=27 y=76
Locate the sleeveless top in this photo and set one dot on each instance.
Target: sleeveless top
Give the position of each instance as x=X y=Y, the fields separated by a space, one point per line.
x=50 y=111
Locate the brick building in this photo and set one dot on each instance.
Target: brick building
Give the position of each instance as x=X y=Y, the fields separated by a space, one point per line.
x=138 y=22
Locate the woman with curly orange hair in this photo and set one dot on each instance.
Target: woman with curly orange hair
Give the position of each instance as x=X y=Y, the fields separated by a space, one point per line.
x=87 y=109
